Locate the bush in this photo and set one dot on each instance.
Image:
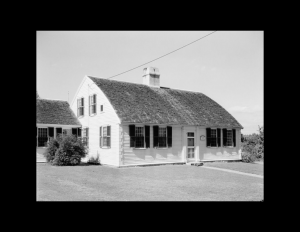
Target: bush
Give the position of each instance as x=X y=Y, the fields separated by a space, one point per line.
x=93 y=160
x=248 y=157
x=65 y=150
x=253 y=145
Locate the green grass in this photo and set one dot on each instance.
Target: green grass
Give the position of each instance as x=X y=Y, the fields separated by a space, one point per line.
x=252 y=168
x=152 y=183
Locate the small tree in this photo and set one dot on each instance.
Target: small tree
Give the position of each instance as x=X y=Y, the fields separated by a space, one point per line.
x=65 y=150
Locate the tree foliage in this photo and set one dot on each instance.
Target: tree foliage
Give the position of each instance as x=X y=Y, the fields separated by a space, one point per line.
x=253 y=146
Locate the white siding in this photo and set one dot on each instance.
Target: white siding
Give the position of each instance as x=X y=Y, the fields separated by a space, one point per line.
x=109 y=156
x=152 y=155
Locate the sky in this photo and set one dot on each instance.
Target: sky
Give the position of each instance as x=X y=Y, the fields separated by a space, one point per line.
x=226 y=66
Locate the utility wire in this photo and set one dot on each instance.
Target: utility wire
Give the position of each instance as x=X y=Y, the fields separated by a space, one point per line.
x=162 y=56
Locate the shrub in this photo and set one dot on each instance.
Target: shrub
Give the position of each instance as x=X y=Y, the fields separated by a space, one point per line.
x=253 y=145
x=93 y=160
x=65 y=150
x=248 y=157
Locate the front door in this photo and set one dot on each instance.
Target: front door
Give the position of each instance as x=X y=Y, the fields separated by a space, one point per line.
x=190 y=155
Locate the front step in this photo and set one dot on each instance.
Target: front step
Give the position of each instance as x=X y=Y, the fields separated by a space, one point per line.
x=195 y=163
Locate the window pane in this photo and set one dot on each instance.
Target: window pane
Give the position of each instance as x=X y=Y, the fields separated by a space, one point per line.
x=229 y=138
x=190 y=153
x=162 y=132
x=190 y=134
x=213 y=133
x=190 y=142
x=213 y=142
x=139 y=131
x=105 y=131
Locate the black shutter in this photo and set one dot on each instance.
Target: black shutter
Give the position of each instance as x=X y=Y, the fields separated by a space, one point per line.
x=233 y=134
x=108 y=138
x=208 y=137
x=169 y=135
x=147 y=136
x=155 y=136
x=58 y=131
x=82 y=101
x=87 y=136
x=79 y=132
x=132 y=135
x=51 y=131
x=100 y=136
x=74 y=131
x=95 y=101
x=89 y=105
x=224 y=137
x=219 y=137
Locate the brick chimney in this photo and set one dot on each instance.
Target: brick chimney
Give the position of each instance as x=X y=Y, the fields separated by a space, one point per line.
x=151 y=77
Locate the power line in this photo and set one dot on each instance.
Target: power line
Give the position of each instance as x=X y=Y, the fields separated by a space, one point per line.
x=162 y=56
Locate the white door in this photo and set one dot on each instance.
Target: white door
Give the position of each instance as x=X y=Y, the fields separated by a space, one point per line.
x=190 y=154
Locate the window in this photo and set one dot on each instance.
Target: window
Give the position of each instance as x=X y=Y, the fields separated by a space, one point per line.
x=80 y=107
x=229 y=137
x=85 y=136
x=42 y=137
x=92 y=104
x=101 y=108
x=213 y=137
x=162 y=136
x=105 y=140
x=139 y=136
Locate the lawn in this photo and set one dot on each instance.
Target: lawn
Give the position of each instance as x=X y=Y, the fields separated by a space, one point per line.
x=252 y=168
x=152 y=183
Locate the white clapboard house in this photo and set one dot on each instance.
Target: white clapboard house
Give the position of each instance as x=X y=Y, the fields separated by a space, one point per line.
x=137 y=124
x=53 y=117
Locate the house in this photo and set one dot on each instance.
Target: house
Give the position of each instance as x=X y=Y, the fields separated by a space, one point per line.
x=53 y=117
x=137 y=124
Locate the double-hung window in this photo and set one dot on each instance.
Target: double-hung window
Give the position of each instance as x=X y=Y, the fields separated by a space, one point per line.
x=229 y=138
x=162 y=136
x=213 y=136
x=85 y=136
x=139 y=136
x=80 y=107
x=92 y=104
x=42 y=137
x=105 y=134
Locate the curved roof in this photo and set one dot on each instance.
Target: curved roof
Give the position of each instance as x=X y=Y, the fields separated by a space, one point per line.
x=139 y=103
x=55 y=112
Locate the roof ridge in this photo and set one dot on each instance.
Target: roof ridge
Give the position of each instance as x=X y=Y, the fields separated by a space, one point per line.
x=52 y=99
x=146 y=85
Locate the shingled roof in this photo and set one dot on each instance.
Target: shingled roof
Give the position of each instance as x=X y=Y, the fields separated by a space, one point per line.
x=139 y=103
x=55 y=112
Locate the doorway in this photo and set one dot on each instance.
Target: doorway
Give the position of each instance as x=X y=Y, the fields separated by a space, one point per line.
x=190 y=155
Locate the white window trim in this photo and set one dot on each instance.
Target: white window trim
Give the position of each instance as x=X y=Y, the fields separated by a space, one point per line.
x=141 y=148
x=106 y=125
x=90 y=105
x=166 y=147
x=80 y=116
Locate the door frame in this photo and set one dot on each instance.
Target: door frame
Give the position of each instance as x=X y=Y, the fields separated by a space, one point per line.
x=188 y=160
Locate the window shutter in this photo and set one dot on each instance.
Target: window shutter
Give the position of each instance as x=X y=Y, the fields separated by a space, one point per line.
x=219 y=137
x=155 y=136
x=82 y=102
x=108 y=130
x=95 y=101
x=224 y=137
x=233 y=135
x=87 y=132
x=147 y=136
x=79 y=132
x=100 y=133
x=51 y=131
x=169 y=134
x=132 y=135
x=208 y=137
x=108 y=141
x=89 y=105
